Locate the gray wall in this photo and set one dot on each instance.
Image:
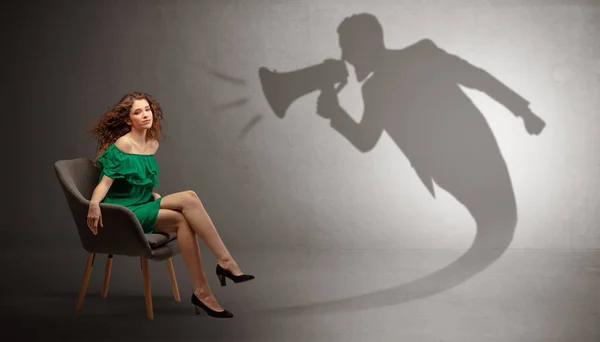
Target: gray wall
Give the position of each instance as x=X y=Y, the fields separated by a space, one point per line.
x=295 y=182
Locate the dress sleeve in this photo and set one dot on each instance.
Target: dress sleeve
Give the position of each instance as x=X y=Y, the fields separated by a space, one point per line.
x=134 y=169
x=111 y=164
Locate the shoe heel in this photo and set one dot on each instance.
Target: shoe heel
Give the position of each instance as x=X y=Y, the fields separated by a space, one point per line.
x=210 y=312
x=222 y=279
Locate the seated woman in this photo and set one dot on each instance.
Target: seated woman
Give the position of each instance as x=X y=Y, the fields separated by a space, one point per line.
x=128 y=136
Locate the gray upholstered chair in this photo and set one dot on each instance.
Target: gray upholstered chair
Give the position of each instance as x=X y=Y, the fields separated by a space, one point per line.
x=121 y=233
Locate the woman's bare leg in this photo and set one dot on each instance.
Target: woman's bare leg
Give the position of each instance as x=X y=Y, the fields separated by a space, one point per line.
x=174 y=221
x=188 y=203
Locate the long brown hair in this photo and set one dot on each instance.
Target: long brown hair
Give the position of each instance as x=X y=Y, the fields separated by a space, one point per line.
x=112 y=124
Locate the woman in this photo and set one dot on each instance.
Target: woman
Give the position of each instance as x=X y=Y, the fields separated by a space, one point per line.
x=128 y=137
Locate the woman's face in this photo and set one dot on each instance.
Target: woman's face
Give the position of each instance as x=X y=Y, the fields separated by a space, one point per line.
x=140 y=115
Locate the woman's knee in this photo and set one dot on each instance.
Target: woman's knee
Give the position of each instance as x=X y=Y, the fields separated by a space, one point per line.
x=181 y=200
x=192 y=198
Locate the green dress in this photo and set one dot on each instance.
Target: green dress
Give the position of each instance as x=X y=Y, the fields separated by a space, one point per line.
x=135 y=176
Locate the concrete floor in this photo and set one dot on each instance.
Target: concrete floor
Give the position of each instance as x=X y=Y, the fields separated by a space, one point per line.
x=310 y=295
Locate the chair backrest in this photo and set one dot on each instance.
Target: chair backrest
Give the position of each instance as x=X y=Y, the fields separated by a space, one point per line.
x=121 y=234
x=79 y=175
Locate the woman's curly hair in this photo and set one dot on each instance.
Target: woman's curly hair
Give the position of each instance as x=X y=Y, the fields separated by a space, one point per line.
x=112 y=124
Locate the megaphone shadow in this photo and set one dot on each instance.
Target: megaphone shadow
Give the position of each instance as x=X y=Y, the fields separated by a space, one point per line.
x=414 y=95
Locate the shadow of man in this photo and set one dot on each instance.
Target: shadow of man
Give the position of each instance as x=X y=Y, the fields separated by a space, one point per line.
x=414 y=95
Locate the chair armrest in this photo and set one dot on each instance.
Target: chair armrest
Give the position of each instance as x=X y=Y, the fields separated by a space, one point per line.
x=121 y=233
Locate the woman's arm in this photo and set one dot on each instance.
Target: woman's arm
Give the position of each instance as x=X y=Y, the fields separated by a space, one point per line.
x=94 y=216
x=101 y=190
x=156 y=146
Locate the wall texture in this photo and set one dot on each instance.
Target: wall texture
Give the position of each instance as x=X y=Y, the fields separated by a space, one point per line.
x=295 y=182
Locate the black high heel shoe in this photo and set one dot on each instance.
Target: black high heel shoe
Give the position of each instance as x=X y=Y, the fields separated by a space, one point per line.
x=212 y=313
x=223 y=273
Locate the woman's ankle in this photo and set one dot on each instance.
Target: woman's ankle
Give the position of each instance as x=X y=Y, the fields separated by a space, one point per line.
x=226 y=262
x=202 y=292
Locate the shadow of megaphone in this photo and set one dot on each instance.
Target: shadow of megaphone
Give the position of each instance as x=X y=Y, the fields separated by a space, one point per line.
x=281 y=89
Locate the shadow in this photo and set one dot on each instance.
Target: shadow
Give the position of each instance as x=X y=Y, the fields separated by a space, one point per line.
x=414 y=94
x=231 y=105
x=223 y=76
x=250 y=125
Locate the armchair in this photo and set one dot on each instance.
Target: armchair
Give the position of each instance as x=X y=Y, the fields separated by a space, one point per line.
x=121 y=233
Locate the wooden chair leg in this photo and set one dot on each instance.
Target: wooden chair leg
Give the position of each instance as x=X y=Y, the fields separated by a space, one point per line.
x=86 y=279
x=147 y=289
x=109 y=261
x=173 y=280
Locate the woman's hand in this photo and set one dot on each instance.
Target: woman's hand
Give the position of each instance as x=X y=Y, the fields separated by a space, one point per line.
x=94 y=217
x=155 y=196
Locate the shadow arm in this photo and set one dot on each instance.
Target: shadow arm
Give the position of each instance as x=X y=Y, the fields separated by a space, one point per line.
x=363 y=135
x=477 y=78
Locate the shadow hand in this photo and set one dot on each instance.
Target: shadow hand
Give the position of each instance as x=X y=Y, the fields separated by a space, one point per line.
x=327 y=103
x=533 y=123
